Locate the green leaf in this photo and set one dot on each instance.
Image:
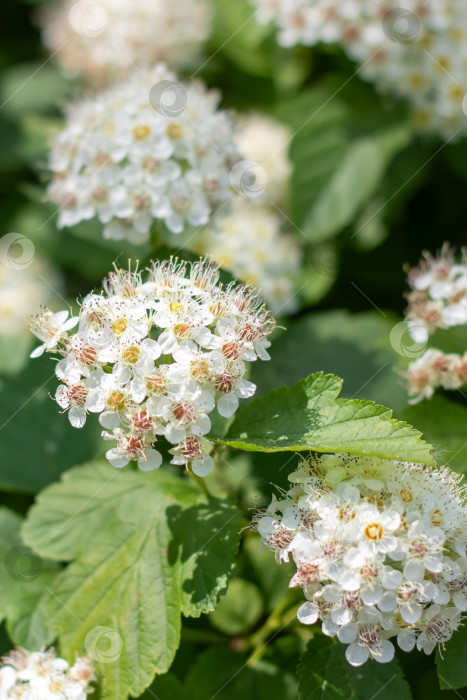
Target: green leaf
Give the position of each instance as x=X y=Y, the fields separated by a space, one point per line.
x=166 y=687
x=324 y=674
x=339 y=157
x=317 y=119
x=225 y=675
x=38 y=444
x=147 y=547
x=442 y=423
x=239 y=610
x=356 y=347
x=25 y=580
x=309 y=416
x=355 y=181
x=32 y=87
x=452 y=665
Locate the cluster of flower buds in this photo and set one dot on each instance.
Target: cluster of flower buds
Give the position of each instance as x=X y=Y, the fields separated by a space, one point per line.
x=146 y=149
x=251 y=245
x=416 y=51
x=154 y=358
x=106 y=38
x=437 y=299
x=380 y=551
x=40 y=674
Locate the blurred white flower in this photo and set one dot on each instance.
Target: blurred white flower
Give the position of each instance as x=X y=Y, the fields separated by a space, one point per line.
x=22 y=290
x=437 y=299
x=416 y=51
x=265 y=141
x=149 y=148
x=41 y=674
x=107 y=38
x=250 y=243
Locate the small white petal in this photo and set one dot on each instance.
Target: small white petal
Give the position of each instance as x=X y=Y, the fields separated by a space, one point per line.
x=115 y=458
x=307 y=614
x=227 y=405
x=202 y=466
x=348 y=633
x=151 y=461
x=77 y=416
x=356 y=655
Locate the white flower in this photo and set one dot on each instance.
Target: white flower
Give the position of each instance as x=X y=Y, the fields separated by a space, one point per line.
x=251 y=244
x=139 y=359
x=73 y=397
x=390 y=44
x=377 y=530
x=123 y=34
x=438 y=299
x=368 y=642
x=23 y=289
x=43 y=676
x=379 y=548
x=51 y=328
x=264 y=141
x=124 y=159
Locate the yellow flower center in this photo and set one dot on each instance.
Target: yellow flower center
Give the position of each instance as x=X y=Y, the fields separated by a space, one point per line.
x=436 y=517
x=141 y=132
x=374 y=531
x=131 y=355
x=119 y=326
x=116 y=401
x=174 y=131
x=176 y=306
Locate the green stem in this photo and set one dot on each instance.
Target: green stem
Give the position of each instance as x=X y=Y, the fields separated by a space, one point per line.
x=275 y=622
x=201 y=483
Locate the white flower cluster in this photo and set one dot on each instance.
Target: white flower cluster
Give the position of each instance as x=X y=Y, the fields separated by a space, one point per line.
x=40 y=675
x=380 y=551
x=437 y=299
x=146 y=149
x=106 y=38
x=154 y=358
x=251 y=244
x=438 y=296
x=435 y=369
x=416 y=51
x=265 y=141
